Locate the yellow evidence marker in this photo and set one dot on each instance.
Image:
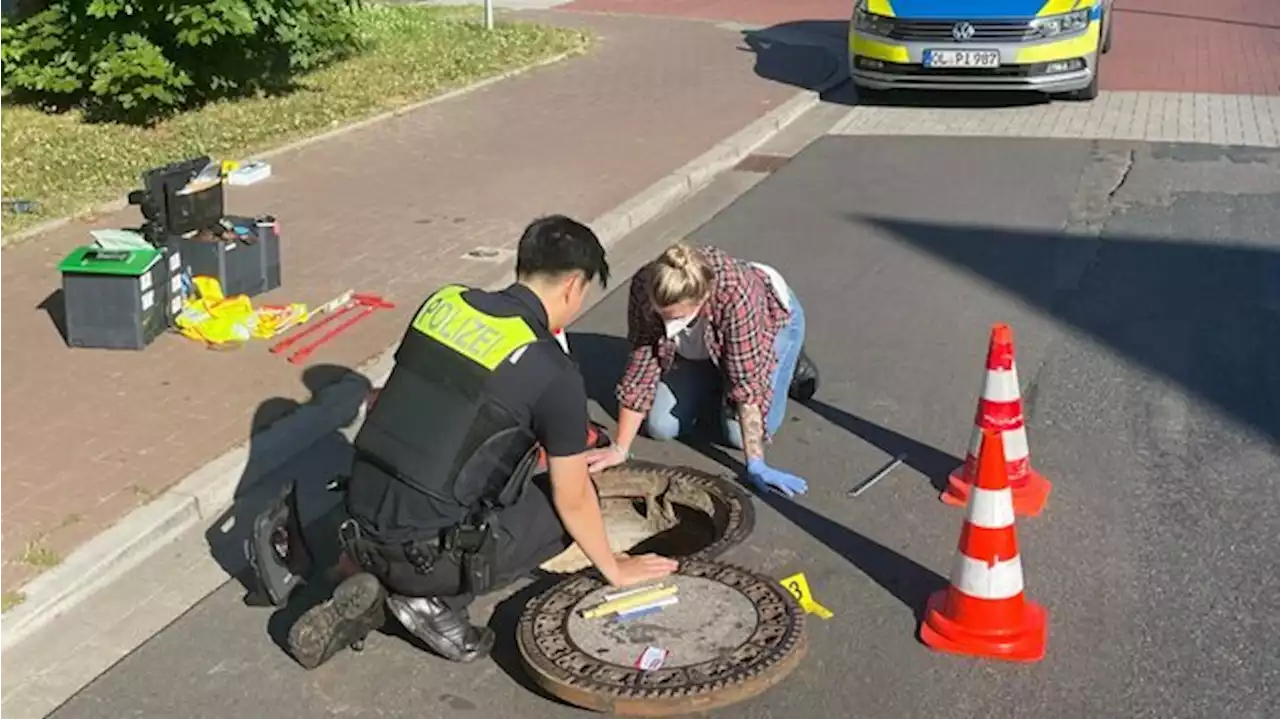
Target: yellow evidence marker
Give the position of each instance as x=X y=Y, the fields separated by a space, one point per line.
x=799 y=588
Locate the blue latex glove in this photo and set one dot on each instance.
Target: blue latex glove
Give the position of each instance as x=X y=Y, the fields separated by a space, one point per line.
x=763 y=477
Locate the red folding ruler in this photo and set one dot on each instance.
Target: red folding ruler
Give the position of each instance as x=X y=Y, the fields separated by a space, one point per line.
x=367 y=305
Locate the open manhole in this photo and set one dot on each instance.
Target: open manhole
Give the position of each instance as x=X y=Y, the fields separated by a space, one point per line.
x=732 y=635
x=673 y=511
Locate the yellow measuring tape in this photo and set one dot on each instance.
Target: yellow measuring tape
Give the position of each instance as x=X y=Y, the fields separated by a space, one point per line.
x=622 y=604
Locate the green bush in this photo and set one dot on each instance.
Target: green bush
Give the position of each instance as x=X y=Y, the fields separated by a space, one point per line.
x=139 y=60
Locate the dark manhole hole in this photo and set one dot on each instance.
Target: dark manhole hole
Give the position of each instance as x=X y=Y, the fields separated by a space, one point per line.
x=732 y=635
x=762 y=163
x=674 y=511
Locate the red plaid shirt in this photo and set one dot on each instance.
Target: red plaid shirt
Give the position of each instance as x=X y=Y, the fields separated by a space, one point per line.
x=744 y=319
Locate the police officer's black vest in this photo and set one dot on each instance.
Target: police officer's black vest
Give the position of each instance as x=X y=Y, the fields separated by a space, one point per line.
x=435 y=427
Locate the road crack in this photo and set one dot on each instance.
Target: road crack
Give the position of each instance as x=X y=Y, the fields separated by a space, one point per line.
x=1129 y=159
x=1092 y=208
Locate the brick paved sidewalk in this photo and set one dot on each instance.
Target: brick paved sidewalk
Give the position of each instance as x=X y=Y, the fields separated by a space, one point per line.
x=1224 y=46
x=390 y=209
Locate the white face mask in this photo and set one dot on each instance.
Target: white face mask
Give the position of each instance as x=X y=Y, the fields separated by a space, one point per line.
x=675 y=327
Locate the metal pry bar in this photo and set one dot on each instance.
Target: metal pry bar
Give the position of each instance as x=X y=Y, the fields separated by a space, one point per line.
x=881 y=474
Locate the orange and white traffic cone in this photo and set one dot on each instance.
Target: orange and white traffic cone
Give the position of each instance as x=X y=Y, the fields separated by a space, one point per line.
x=1000 y=409
x=984 y=612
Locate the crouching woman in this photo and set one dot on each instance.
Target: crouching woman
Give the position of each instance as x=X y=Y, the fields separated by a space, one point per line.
x=716 y=347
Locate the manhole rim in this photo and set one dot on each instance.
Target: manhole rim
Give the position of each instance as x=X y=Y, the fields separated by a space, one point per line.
x=722 y=490
x=664 y=702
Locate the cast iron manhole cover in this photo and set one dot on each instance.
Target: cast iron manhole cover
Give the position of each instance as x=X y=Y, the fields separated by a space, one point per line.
x=732 y=635
x=673 y=511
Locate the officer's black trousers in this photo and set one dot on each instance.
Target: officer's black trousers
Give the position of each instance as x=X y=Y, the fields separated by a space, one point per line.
x=529 y=533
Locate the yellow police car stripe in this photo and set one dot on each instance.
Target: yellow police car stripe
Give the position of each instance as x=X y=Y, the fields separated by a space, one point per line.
x=481 y=338
x=1078 y=46
x=866 y=47
x=880 y=7
x=1057 y=7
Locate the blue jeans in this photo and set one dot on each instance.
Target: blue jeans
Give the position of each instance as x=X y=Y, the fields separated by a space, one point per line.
x=692 y=392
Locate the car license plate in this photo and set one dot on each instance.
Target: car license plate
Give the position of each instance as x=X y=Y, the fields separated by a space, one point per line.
x=962 y=58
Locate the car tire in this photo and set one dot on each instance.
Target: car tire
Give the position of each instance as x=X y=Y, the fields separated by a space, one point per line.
x=1089 y=92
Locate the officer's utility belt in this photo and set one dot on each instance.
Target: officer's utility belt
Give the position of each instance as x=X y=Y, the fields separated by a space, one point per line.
x=471 y=545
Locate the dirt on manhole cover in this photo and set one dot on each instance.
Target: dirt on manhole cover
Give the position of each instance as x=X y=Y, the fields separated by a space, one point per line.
x=762 y=163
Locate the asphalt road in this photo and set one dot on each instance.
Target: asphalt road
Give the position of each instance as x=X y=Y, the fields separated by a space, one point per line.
x=1135 y=278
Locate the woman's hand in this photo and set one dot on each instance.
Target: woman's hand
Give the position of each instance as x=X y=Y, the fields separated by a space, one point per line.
x=601 y=459
x=763 y=477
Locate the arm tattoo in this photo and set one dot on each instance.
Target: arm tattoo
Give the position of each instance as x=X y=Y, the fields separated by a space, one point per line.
x=752 y=431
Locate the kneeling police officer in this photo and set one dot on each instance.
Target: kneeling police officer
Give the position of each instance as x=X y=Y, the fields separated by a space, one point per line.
x=442 y=494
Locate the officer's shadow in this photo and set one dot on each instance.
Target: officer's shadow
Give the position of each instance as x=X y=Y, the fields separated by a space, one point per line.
x=278 y=454
x=508 y=606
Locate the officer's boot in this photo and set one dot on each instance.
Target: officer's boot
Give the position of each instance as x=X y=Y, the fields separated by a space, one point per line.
x=804 y=383
x=447 y=632
x=344 y=620
x=276 y=548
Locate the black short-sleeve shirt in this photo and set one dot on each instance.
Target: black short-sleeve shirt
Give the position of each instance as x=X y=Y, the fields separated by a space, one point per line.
x=542 y=380
x=543 y=384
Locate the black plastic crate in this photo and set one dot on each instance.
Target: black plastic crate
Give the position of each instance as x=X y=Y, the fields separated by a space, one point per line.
x=114 y=299
x=245 y=259
x=176 y=281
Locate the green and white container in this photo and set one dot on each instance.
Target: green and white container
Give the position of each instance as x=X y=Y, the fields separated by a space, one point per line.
x=114 y=299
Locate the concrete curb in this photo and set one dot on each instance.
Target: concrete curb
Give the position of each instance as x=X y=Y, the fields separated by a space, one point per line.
x=203 y=495
x=105 y=208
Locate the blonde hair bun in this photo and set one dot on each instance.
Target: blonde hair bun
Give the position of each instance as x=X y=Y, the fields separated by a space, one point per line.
x=680 y=256
x=680 y=275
